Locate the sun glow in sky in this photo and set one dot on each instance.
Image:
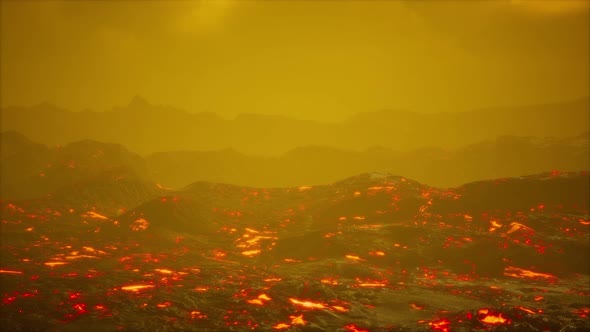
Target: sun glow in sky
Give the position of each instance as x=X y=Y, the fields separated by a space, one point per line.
x=307 y=59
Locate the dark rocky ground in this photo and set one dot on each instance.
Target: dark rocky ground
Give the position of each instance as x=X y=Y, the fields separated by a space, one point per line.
x=374 y=252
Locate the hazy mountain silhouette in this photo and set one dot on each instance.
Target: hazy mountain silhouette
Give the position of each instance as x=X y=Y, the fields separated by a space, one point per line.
x=147 y=128
x=503 y=157
x=21 y=162
x=31 y=170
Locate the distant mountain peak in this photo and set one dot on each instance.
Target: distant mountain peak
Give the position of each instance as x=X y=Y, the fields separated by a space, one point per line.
x=139 y=102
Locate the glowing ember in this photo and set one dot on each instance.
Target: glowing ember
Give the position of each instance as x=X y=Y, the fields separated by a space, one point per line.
x=136 y=288
x=80 y=308
x=260 y=299
x=354 y=258
x=52 y=264
x=583 y=312
x=79 y=256
x=10 y=272
x=164 y=271
x=218 y=253
x=298 y=320
x=516 y=272
x=273 y=279
x=441 y=325
x=494 y=225
x=372 y=284
x=94 y=215
x=329 y=281
x=195 y=314
x=354 y=328
x=251 y=252
x=516 y=226
x=416 y=306
x=527 y=310
x=495 y=319
x=308 y=304
x=281 y=326
x=164 y=304
x=90 y=249
x=140 y=225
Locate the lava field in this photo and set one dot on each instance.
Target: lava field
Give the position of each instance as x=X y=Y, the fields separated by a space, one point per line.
x=375 y=252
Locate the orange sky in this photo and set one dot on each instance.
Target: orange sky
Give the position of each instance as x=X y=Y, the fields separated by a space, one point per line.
x=307 y=59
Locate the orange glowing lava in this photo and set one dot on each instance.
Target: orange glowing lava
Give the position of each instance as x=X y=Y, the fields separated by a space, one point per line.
x=494 y=225
x=354 y=258
x=52 y=264
x=281 y=326
x=164 y=271
x=164 y=304
x=516 y=226
x=372 y=284
x=251 y=253
x=136 y=288
x=339 y=308
x=260 y=299
x=486 y=316
x=441 y=325
x=329 y=281
x=354 y=328
x=308 y=304
x=527 y=310
x=298 y=320
x=516 y=272
x=195 y=314
x=495 y=319
x=94 y=215
x=140 y=225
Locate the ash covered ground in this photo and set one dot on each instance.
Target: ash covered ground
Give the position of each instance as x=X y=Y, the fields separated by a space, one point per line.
x=375 y=252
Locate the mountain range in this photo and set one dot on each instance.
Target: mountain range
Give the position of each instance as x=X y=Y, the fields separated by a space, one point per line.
x=146 y=128
x=31 y=169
